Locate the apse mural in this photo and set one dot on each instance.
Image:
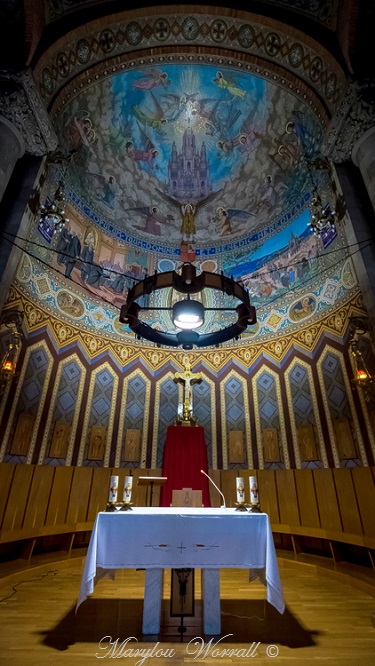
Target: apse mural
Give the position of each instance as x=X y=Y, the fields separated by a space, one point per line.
x=188 y=151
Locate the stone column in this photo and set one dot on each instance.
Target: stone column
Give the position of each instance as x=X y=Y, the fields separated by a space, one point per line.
x=363 y=156
x=26 y=136
x=349 y=141
x=12 y=147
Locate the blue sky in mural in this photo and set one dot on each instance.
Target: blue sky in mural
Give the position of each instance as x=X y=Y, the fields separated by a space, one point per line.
x=299 y=228
x=148 y=141
x=202 y=97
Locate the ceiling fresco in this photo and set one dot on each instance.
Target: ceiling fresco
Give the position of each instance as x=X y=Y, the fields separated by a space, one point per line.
x=187 y=152
x=190 y=156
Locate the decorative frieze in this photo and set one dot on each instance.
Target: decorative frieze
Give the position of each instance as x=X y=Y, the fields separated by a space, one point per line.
x=354 y=117
x=22 y=105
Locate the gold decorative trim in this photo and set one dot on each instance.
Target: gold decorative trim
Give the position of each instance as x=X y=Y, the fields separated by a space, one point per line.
x=155 y=430
x=258 y=428
x=121 y=417
x=317 y=423
x=223 y=411
x=51 y=408
x=88 y=406
x=29 y=351
x=331 y=350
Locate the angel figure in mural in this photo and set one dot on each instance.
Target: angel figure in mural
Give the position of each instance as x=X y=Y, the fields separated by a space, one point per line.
x=79 y=131
x=250 y=134
x=155 y=121
x=229 y=84
x=226 y=143
x=151 y=79
x=105 y=189
x=154 y=219
x=176 y=105
x=147 y=154
x=300 y=126
x=208 y=108
x=215 y=114
x=225 y=216
x=189 y=211
x=269 y=193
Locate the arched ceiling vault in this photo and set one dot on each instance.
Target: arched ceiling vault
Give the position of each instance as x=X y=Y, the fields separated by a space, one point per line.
x=164 y=106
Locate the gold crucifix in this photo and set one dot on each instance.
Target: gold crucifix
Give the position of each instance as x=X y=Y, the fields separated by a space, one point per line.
x=187 y=379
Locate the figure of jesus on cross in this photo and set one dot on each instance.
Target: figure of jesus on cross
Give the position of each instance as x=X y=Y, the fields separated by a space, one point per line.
x=187 y=379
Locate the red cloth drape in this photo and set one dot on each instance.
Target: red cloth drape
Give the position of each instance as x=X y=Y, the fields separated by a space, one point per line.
x=185 y=454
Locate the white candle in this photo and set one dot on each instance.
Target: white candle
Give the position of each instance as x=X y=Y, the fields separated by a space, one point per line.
x=254 y=496
x=240 y=488
x=128 y=489
x=113 y=486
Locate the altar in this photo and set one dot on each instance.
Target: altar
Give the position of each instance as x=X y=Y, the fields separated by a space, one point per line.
x=156 y=539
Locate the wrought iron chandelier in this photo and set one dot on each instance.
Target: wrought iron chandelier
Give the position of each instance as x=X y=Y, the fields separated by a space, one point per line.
x=52 y=212
x=323 y=217
x=187 y=314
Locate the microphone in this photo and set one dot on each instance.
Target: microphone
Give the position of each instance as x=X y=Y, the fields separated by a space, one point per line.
x=223 y=506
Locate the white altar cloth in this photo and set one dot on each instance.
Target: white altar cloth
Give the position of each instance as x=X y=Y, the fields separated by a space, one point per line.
x=175 y=538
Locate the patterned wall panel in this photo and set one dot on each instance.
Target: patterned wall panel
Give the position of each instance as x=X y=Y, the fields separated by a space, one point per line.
x=29 y=399
x=338 y=403
x=204 y=411
x=235 y=416
x=165 y=412
x=137 y=408
x=65 y=406
x=303 y=410
x=100 y=411
x=269 y=414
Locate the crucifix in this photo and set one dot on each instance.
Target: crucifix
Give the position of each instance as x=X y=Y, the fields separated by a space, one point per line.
x=187 y=379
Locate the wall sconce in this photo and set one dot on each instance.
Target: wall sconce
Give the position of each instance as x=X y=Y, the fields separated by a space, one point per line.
x=359 y=326
x=11 y=319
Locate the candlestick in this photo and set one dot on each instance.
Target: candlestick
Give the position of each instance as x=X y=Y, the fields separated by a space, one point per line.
x=112 y=498
x=128 y=489
x=127 y=495
x=240 y=489
x=240 y=492
x=254 y=495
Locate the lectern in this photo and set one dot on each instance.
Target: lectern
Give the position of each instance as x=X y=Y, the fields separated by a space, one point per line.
x=151 y=481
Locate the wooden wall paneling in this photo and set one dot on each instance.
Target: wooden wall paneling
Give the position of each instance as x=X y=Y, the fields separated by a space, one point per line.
x=156 y=490
x=215 y=497
x=139 y=493
x=348 y=506
x=228 y=486
x=79 y=495
x=287 y=495
x=18 y=497
x=99 y=492
x=330 y=518
x=268 y=494
x=307 y=502
x=37 y=504
x=364 y=487
x=59 y=497
x=6 y=477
